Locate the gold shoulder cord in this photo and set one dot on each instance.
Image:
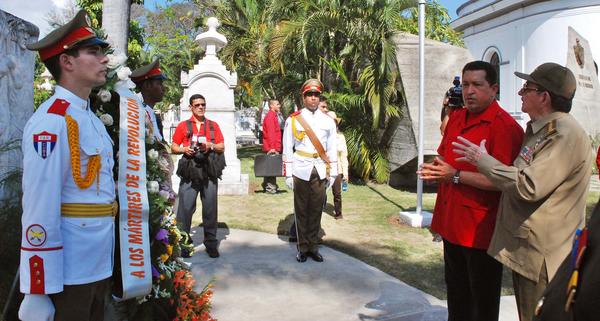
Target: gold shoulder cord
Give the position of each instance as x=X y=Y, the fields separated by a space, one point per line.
x=299 y=136
x=93 y=166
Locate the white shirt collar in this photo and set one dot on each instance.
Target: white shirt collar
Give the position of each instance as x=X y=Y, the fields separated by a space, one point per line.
x=74 y=100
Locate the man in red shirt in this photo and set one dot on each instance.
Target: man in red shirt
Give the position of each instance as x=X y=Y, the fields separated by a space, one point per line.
x=467 y=202
x=195 y=139
x=272 y=140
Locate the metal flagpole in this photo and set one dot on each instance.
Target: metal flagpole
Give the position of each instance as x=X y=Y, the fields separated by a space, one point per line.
x=420 y=218
x=421 y=100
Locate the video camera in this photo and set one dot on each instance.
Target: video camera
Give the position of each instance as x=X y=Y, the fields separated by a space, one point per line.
x=454 y=94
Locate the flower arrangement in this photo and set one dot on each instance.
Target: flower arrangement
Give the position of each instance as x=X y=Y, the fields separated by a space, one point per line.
x=173 y=296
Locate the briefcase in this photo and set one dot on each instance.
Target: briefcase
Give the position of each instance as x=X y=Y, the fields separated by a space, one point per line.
x=268 y=165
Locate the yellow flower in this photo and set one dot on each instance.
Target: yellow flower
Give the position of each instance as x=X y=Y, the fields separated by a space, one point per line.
x=164 y=257
x=169 y=249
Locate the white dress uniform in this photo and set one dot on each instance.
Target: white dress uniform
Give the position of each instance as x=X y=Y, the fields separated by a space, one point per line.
x=57 y=250
x=155 y=131
x=296 y=162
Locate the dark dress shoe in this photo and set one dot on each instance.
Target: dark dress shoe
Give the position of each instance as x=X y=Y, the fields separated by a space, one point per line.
x=316 y=256
x=186 y=253
x=214 y=253
x=338 y=216
x=293 y=239
x=301 y=257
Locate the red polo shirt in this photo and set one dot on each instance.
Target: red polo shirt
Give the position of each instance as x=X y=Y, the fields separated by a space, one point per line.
x=465 y=215
x=271 y=132
x=180 y=136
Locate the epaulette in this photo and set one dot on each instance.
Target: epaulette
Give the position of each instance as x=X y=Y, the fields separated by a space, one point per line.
x=296 y=113
x=551 y=127
x=59 y=107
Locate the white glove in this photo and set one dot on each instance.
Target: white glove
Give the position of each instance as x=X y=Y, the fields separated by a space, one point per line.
x=289 y=181
x=330 y=181
x=36 y=307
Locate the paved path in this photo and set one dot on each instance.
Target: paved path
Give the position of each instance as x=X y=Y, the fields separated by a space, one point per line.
x=258 y=278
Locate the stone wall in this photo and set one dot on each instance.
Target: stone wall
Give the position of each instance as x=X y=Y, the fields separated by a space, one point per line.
x=16 y=106
x=442 y=63
x=16 y=90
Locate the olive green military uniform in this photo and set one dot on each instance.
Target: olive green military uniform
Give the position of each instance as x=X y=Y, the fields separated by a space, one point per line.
x=587 y=298
x=543 y=200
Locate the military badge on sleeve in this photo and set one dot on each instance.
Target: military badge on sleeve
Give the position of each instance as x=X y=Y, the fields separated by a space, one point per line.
x=36 y=235
x=44 y=143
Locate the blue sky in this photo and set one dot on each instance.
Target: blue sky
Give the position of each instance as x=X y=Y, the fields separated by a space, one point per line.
x=450 y=4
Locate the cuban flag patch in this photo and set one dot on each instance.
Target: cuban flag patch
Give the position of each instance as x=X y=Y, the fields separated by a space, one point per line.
x=44 y=143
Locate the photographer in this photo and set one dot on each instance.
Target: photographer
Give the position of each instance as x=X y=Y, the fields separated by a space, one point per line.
x=453 y=100
x=201 y=142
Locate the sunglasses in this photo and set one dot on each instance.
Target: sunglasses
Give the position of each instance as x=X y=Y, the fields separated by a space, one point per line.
x=312 y=94
x=199 y=105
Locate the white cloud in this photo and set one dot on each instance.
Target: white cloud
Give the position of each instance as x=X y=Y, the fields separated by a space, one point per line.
x=34 y=11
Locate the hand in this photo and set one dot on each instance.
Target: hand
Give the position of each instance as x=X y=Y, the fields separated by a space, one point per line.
x=330 y=181
x=188 y=151
x=208 y=147
x=471 y=152
x=36 y=307
x=437 y=171
x=289 y=181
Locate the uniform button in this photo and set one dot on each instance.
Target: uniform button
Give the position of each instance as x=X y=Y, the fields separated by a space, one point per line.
x=37 y=273
x=38 y=281
x=35 y=265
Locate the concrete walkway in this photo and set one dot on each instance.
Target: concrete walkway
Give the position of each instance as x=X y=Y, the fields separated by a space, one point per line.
x=257 y=278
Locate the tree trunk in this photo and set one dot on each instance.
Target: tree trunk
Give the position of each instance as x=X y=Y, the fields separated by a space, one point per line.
x=115 y=21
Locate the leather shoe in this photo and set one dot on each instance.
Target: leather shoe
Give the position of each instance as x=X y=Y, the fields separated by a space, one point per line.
x=315 y=256
x=212 y=252
x=186 y=253
x=292 y=239
x=338 y=216
x=301 y=257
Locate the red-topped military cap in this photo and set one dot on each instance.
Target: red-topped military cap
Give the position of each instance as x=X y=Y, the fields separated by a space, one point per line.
x=75 y=33
x=149 y=71
x=313 y=85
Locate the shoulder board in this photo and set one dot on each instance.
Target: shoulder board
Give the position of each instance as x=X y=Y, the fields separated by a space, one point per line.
x=295 y=113
x=551 y=127
x=59 y=107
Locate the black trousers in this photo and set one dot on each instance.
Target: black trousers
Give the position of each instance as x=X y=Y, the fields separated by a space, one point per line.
x=473 y=281
x=83 y=302
x=308 y=206
x=336 y=190
x=188 y=194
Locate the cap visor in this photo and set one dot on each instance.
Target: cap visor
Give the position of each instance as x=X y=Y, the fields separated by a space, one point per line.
x=311 y=91
x=93 y=42
x=524 y=76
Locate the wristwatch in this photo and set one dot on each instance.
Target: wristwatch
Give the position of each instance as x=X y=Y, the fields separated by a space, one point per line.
x=456 y=177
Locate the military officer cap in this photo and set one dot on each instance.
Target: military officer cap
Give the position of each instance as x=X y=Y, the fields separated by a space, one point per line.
x=149 y=71
x=76 y=33
x=553 y=77
x=312 y=85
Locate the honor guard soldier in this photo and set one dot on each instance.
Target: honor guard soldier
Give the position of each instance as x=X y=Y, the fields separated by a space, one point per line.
x=149 y=81
x=68 y=188
x=310 y=165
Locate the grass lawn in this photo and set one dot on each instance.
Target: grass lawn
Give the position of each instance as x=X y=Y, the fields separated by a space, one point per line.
x=369 y=231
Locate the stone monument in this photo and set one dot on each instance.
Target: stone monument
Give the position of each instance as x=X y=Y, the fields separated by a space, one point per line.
x=16 y=106
x=212 y=80
x=16 y=92
x=586 y=103
x=442 y=63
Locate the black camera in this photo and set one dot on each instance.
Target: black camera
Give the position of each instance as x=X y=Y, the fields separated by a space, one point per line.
x=454 y=94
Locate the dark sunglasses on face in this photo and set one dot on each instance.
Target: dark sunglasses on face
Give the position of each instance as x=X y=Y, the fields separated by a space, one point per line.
x=199 y=105
x=312 y=94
